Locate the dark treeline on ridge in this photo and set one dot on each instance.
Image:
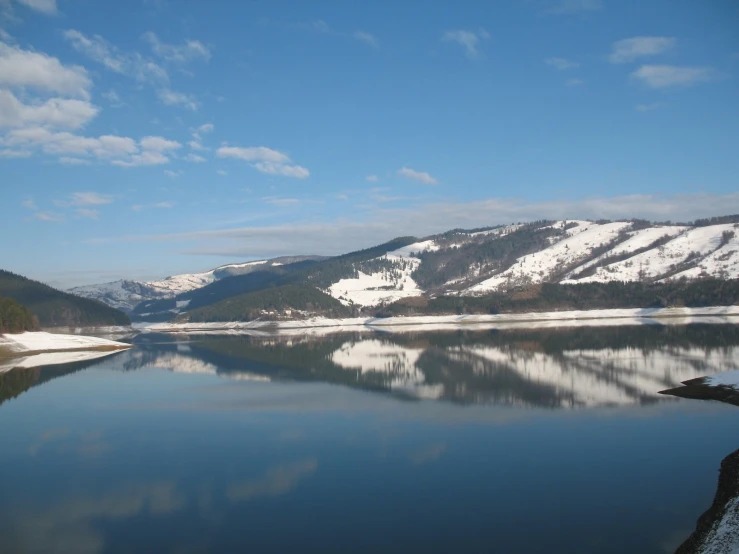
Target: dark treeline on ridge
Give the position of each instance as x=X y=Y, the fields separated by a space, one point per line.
x=587 y=296
x=56 y=308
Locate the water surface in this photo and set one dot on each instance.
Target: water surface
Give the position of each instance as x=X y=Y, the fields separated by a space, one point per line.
x=517 y=441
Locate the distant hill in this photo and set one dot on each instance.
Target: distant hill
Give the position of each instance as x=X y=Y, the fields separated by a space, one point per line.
x=16 y=318
x=468 y=269
x=126 y=294
x=271 y=303
x=55 y=308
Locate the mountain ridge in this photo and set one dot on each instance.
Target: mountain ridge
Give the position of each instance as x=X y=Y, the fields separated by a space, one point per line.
x=470 y=263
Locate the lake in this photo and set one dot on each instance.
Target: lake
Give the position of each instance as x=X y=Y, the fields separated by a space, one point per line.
x=553 y=440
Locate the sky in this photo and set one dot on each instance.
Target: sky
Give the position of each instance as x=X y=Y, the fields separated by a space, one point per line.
x=146 y=138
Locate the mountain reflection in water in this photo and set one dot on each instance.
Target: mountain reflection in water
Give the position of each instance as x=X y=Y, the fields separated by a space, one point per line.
x=552 y=368
x=441 y=441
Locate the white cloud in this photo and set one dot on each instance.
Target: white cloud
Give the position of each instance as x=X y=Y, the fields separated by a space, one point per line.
x=561 y=64
x=186 y=52
x=86 y=199
x=470 y=40
x=574 y=82
x=348 y=234
x=47 y=7
x=195 y=145
x=111 y=95
x=88 y=213
x=172 y=98
x=663 y=76
x=64 y=143
x=132 y=65
x=173 y=174
x=49 y=216
x=221 y=172
x=66 y=160
x=372 y=178
x=366 y=37
x=159 y=144
x=8 y=153
x=29 y=204
x=56 y=112
x=194 y=158
x=265 y=160
x=296 y=171
x=145 y=158
x=568 y=7
x=420 y=176
x=629 y=49
x=74 y=149
x=165 y=205
x=24 y=68
x=280 y=201
x=252 y=154
x=649 y=107
x=206 y=128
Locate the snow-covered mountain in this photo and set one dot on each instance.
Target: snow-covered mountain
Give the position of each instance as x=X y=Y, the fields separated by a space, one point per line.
x=126 y=294
x=477 y=262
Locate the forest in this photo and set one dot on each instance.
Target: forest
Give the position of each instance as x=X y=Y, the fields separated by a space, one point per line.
x=270 y=303
x=56 y=308
x=16 y=318
x=586 y=296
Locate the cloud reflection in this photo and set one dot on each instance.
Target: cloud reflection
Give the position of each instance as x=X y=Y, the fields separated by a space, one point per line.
x=277 y=481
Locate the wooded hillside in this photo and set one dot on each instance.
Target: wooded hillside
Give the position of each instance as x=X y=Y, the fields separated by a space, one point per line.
x=16 y=318
x=56 y=308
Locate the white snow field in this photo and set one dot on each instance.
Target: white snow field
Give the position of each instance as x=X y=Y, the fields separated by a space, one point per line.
x=700 y=241
x=376 y=288
x=23 y=343
x=539 y=266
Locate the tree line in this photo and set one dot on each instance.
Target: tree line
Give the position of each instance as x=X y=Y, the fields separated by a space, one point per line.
x=16 y=318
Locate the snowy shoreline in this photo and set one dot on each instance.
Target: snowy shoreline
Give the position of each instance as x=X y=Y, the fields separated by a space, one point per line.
x=40 y=342
x=634 y=316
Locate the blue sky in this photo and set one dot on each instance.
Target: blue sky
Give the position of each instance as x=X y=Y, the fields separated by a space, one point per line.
x=145 y=138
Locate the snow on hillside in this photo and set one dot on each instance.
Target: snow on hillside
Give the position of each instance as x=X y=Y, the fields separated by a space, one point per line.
x=723 y=263
x=697 y=242
x=126 y=294
x=500 y=231
x=539 y=266
x=638 y=239
x=382 y=287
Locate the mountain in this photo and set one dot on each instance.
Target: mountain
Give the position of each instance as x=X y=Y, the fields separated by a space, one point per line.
x=481 y=263
x=126 y=294
x=55 y=308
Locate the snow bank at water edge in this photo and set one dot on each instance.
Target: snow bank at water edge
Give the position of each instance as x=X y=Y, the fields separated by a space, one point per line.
x=53 y=358
x=29 y=342
x=723 y=314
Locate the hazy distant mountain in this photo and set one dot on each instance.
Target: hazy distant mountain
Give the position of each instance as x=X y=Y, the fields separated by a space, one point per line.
x=126 y=294
x=461 y=263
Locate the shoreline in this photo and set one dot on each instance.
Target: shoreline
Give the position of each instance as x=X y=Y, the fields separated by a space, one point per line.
x=619 y=316
x=33 y=343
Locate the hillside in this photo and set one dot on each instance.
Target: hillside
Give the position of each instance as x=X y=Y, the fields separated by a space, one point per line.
x=273 y=303
x=16 y=318
x=126 y=294
x=55 y=308
x=479 y=263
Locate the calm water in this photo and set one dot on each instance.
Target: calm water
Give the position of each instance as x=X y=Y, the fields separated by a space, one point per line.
x=550 y=441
